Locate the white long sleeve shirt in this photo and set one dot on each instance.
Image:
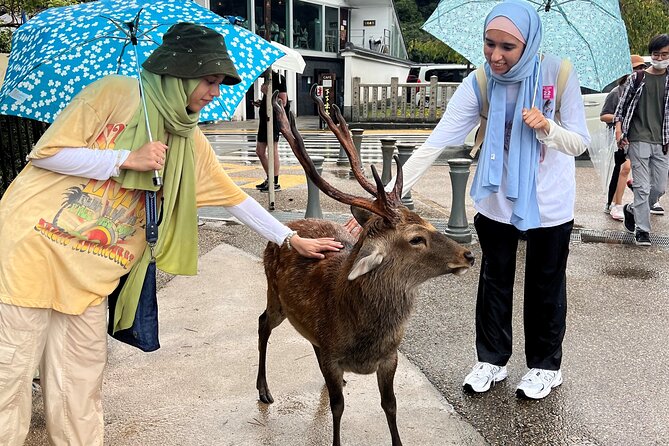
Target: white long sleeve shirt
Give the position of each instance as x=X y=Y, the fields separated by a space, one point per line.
x=556 y=175
x=104 y=164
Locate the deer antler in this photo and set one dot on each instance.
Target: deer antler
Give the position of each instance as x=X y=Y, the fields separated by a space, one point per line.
x=384 y=206
x=344 y=137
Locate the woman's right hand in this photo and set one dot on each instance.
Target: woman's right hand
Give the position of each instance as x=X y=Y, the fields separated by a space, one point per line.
x=151 y=156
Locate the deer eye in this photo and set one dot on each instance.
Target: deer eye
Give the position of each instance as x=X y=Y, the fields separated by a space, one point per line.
x=418 y=240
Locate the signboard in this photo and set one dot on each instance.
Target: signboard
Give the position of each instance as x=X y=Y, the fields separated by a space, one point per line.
x=326 y=81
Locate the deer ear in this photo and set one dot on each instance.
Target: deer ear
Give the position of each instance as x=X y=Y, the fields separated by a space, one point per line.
x=361 y=215
x=367 y=260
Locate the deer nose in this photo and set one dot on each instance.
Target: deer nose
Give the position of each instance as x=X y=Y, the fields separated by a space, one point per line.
x=470 y=257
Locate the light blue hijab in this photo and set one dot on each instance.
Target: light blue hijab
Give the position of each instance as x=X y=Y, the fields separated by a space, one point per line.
x=524 y=148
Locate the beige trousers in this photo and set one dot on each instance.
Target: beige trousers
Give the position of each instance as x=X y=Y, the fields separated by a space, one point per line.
x=71 y=352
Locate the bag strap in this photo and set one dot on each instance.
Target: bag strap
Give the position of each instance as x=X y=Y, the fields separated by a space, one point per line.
x=482 y=81
x=151 y=221
x=563 y=77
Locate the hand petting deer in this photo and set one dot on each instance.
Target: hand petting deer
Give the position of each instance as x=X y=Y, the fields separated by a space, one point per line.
x=354 y=304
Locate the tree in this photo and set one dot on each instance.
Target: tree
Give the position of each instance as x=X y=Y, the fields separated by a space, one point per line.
x=14 y=12
x=644 y=19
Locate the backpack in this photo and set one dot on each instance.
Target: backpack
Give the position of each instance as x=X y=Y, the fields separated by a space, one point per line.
x=482 y=81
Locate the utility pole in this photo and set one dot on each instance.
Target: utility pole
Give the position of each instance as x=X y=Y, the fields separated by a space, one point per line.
x=270 y=112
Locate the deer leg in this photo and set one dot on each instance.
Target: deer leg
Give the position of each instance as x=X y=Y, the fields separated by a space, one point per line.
x=317 y=350
x=385 y=376
x=270 y=319
x=333 y=380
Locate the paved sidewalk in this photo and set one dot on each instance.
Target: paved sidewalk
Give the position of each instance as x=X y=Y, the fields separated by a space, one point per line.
x=199 y=388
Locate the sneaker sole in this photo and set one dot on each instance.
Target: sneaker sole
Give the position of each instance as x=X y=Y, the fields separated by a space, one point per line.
x=520 y=393
x=469 y=389
x=657 y=212
x=642 y=243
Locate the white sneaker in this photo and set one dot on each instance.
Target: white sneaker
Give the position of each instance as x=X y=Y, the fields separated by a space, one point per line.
x=538 y=383
x=617 y=212
x=482 y=376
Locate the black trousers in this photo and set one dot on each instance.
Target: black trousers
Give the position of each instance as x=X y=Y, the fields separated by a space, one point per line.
x=545 y=301
x=619 y=158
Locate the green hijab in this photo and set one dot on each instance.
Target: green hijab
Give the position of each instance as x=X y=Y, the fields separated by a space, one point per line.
x=176 y=250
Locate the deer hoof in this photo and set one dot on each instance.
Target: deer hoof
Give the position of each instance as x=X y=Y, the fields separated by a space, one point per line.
x=265 y=396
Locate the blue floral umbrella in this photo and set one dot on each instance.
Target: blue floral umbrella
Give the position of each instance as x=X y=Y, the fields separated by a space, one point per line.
x=61 y=50
x=590 y=33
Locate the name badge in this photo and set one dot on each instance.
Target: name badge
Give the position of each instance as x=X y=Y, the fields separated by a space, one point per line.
x=548 y=92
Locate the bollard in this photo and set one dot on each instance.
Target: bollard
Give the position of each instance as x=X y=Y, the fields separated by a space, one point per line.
x=405 y=151
x=342 y=159
x=458 y=228
x=313 y=194
x=356 y=136
x=387 y=151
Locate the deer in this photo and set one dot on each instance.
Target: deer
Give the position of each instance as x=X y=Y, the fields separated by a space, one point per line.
x=353 y=305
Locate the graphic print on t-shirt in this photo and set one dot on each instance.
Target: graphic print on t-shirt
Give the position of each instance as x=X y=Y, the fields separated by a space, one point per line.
x=97 y=217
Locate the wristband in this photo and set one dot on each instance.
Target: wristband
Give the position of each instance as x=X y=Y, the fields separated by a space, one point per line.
x=286 y=241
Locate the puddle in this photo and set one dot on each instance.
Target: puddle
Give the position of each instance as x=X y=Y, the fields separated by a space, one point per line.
x=630 y=272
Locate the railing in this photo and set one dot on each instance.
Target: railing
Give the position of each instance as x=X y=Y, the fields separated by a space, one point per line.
x=406 y=102
x=17 y=137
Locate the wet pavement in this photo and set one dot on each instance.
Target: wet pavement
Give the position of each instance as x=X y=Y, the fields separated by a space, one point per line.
x=198 y=389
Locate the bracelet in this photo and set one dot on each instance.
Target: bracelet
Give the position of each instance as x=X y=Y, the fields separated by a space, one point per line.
x=286 y=241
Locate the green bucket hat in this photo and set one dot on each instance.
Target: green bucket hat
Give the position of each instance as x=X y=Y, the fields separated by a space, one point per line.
x=192 y=51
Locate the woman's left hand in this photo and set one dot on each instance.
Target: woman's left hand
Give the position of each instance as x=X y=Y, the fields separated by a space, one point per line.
x=314 y=247
x=535 y=119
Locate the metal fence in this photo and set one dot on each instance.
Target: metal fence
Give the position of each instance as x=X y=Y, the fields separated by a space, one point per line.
x=17 y=137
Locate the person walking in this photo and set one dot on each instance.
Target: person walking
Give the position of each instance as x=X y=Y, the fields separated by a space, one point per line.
x=72 y=224
x=278 y=84
x=524 y=184
x=642 y=130
x=621 y=166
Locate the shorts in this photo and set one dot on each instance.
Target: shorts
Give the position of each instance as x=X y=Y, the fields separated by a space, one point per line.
x=262 y=130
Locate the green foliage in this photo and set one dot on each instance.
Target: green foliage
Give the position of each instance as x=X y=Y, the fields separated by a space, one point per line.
x=5 y=40
x=644 y=19
x=31 y=7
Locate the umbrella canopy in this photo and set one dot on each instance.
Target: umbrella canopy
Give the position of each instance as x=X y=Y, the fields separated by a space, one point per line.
x=590 y=33
x=291 y=61
x=61 y=50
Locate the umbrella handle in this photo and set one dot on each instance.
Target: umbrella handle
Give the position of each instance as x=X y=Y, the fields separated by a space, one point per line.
x=157 y=179
x=536 y=81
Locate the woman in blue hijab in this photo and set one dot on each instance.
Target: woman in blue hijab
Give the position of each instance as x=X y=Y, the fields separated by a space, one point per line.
x=524 y=184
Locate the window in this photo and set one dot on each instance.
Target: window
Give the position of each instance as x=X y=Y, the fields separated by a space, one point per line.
x=307 y=26
x=446 y=75
x=331 y=27
x=239 y=9
x=279 y=28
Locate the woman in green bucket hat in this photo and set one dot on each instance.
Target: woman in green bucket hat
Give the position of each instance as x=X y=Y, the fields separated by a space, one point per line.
x=72 y=224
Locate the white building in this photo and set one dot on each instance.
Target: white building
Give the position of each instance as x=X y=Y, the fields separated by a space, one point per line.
x=344 y=38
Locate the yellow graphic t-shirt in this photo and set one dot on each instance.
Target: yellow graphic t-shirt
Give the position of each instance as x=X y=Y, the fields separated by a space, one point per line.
x=67 y=240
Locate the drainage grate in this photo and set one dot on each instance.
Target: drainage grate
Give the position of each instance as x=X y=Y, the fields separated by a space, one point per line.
x=617 y=237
